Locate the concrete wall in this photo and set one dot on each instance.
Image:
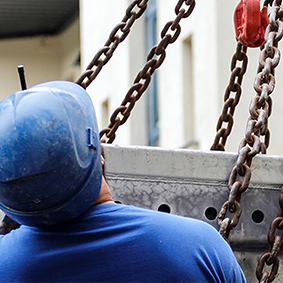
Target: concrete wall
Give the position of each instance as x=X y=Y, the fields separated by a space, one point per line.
x=45 y=58
x=191 y=81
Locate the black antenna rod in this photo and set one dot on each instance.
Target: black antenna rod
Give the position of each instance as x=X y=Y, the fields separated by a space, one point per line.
x=22 y=77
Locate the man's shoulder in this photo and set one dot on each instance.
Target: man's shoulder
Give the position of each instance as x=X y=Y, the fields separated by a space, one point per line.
x=163 y=219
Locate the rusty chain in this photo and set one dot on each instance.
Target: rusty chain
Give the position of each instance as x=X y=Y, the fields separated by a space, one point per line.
x=102 y=57
x=225 y=121
x=275 y=242
x=270 y=56
x=256 y=138
x=154 y=60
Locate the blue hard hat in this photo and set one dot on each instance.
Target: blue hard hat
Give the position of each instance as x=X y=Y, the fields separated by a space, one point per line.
x=50 y=164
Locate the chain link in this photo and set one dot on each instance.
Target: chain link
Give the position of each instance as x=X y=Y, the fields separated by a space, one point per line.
x=230 y=103
x=257 y=135
x=264 y=85
x=270 y=258
x=102 y=57
x=155 y=58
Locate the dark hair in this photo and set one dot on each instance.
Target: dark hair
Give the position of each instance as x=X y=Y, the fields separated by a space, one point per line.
x=103 y=165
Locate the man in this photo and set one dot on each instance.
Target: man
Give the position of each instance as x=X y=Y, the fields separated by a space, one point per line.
x=72 y=231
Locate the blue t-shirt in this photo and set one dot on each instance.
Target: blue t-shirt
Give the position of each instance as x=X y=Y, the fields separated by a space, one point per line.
x=119 y=243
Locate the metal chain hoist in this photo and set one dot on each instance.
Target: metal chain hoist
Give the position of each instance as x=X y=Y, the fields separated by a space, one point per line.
x=155 y=59
x=250 y=25
x=102 y=57
x=256 y=141
x=242 y=167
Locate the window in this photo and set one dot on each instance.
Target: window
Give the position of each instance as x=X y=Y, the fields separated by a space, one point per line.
x=105 y=113
x=188 y=95
x=152 y=102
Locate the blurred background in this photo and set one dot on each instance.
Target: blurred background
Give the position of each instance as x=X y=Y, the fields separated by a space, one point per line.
x=56 y=39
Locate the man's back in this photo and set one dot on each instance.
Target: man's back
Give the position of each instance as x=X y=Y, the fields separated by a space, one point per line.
x=118 y=243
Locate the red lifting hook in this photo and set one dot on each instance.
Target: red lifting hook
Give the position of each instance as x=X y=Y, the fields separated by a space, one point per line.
x=250 y=23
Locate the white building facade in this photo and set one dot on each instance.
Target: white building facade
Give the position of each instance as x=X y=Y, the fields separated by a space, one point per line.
x=185 y=99
x=188 y=93
x=44 y=57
